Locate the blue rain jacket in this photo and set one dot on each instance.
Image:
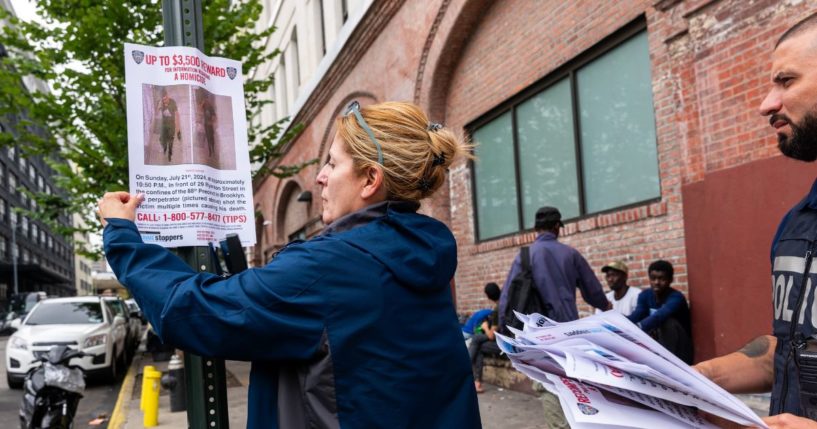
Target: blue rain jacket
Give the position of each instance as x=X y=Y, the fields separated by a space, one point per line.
x=355 y=328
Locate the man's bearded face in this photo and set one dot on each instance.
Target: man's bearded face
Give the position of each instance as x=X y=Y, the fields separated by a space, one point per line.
x=802 y=144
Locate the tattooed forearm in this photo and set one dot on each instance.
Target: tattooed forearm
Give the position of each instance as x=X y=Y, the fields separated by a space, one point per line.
x=756 y=348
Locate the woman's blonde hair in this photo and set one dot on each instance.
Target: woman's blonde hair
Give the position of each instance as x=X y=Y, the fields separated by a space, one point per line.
x=416 y=152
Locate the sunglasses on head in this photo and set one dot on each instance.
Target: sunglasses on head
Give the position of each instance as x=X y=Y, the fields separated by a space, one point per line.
x=354 y=107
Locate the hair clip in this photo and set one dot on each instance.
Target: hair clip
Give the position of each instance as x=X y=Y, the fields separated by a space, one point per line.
x=433 y=126
x=424 y=185
x=438 y=159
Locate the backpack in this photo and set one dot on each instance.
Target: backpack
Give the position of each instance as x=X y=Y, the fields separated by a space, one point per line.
x=522 y=296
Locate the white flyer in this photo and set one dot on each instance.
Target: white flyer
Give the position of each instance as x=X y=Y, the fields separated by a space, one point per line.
x=187 y=146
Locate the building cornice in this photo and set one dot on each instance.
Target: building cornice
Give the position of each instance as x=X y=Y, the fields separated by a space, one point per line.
x=361 y=39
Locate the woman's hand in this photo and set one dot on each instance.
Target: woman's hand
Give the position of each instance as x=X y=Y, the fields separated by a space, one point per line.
x=789 y=421
x=121 y=205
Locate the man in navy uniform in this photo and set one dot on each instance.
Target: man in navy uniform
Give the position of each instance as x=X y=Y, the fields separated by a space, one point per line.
x=768 y=362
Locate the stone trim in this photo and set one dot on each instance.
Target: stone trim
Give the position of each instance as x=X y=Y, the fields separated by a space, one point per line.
x=604 y=220
x=432 y=33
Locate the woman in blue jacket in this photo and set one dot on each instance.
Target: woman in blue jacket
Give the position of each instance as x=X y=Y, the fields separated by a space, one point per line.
x=354 y=328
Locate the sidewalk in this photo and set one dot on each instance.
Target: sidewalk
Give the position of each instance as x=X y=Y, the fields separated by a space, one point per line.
x=499 y=408
x=238 y=375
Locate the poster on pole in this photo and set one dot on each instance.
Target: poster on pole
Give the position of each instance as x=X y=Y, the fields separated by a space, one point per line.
x=187 y=146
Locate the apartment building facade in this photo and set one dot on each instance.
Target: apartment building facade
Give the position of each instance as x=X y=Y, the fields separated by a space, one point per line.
x=33 y=257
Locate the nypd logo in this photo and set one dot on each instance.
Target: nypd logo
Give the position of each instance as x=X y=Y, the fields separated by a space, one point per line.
x=587 y=409
x=138 y=56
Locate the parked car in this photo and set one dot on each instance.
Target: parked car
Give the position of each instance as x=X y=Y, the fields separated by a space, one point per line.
x=119 y=308
x=83 y=323
x=19 y=306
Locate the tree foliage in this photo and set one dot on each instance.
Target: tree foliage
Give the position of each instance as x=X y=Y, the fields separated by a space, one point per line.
x=78 y=52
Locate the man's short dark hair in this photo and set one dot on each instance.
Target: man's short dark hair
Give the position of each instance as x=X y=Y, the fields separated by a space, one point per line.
x=806 y=24
x=492 y=291
x=663 y=266
x=547 y=218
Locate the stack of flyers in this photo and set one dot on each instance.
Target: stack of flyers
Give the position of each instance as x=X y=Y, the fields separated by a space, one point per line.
x=608 y=373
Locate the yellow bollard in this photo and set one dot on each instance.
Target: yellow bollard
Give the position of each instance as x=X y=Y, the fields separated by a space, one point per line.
x=151 y=397
x=145 y=370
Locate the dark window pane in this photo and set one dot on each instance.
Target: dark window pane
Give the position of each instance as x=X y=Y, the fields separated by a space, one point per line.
x=116 y=307
x=547 y=161
x=618 y=128
x=494 y=172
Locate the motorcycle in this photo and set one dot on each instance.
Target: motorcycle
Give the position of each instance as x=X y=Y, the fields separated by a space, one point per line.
x=52 y=391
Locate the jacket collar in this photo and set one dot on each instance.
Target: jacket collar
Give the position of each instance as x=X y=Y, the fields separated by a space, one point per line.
x=546 y=236
x=368 y=214
x=811 y=199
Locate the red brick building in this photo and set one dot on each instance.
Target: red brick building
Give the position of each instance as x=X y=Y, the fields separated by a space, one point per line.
x=637 y=118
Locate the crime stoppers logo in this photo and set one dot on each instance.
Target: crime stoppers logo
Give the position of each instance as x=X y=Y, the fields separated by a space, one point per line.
x=157 y=237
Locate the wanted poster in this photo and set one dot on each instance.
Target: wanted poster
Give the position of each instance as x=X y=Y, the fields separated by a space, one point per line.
x=187 y=146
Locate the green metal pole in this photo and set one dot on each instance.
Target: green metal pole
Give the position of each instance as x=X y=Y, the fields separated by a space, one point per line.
x=182 y=23
x=205 y=378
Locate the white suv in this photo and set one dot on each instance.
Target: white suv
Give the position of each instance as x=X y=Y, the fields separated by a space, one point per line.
x=84 y=323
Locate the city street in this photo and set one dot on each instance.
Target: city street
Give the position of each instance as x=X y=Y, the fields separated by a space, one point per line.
x=99 y=399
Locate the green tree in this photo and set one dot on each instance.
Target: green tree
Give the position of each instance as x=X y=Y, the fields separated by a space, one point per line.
x=79 y=54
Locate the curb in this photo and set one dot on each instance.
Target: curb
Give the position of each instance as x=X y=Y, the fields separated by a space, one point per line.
x=122 y=407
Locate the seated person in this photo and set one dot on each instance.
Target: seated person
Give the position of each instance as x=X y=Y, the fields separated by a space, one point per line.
x=482 y=345
x=474 y=323
x=623 y=297
x=663 y=312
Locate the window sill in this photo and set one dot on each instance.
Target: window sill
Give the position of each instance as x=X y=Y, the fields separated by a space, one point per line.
x=593 y=222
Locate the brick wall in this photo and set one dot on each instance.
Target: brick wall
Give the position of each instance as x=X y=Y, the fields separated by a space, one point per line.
x=710 y=62
x=527 y=41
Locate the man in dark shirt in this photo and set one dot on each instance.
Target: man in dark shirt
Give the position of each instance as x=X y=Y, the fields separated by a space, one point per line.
x=207 y=114
x=663 y=312
x=170 y=127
